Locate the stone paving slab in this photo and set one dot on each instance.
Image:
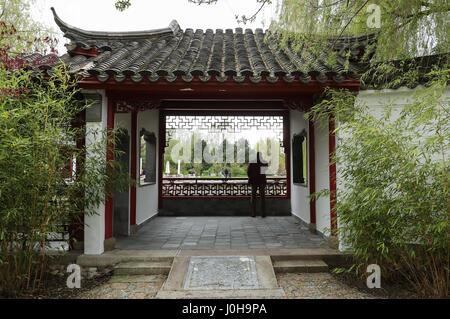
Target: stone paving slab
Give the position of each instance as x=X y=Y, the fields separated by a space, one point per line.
x=221 y=232
x=258 y=269
x=221 y=272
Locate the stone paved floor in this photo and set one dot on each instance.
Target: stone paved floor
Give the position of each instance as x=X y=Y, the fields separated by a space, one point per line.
x=221 y=233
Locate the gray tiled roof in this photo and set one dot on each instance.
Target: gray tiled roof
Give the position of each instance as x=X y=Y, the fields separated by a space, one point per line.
x=171 y=53
x=404 y=73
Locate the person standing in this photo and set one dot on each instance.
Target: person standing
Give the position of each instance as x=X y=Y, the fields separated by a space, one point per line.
x=258 y=180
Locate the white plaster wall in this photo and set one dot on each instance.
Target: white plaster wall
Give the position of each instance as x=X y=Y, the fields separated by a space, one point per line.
x=94 y=229
x=147 y=196
x=322 y=177
x=376 y=100
x=299 y=193
x=123 y=120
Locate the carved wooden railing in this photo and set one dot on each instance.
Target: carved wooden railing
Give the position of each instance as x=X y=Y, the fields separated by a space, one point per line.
x=175 y=187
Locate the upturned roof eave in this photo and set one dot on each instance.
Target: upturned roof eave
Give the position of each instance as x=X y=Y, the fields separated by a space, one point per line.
x=74 y=33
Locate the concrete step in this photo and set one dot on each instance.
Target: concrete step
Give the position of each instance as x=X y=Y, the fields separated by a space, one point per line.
x=143 y=268
x=300 y=266
x=162 y=259
x=114 y=257
x=277 y=258
x=331 y=257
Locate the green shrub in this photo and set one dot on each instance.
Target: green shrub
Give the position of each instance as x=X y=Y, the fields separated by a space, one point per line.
x=37 y=141
x=393 y=202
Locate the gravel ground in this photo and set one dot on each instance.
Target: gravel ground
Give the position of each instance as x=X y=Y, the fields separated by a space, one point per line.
x=127 y=287
x=295 y=285
x=318 y=286
x=56 y=288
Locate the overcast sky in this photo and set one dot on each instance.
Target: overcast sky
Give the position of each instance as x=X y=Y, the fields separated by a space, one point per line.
x=101 y=15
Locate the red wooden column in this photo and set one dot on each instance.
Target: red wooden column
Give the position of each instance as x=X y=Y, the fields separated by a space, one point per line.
x=312 y=174
x=109 y=157
x=161 y=148
x=332 y=172
x=133 y=168
x=287 y=150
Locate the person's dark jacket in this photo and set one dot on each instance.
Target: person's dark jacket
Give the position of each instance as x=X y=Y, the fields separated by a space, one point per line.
x=255 y=175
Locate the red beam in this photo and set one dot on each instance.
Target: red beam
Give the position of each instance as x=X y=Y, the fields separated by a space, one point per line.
x=217 y=90
x=312 y=173
x=91 y=52
x=287 y=149
x=161 y=149
x=133 y=168
x=332 y=172
x=278 y=112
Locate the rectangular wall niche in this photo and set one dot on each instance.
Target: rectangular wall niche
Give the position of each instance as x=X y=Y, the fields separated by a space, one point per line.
x=147 y=158
x=94 y=111
x=300 y=158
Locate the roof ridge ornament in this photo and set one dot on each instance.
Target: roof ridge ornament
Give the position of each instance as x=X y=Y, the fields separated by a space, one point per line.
x=174 y=26
x=76 y=34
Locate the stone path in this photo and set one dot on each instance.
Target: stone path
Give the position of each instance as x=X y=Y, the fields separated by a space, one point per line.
x=221 y=233
x=224 y=277
x=187 y=237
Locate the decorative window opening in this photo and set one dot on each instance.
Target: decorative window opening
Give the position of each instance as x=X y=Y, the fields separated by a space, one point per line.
x=208 y=155
x=300 y=158
x=147 y=158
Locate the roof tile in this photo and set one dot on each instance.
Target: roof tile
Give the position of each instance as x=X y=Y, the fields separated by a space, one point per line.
x=221 y=54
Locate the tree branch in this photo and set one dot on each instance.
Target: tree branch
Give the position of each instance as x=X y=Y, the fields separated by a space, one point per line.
x=349 y=21
x=253 y=17
x=328 y=5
